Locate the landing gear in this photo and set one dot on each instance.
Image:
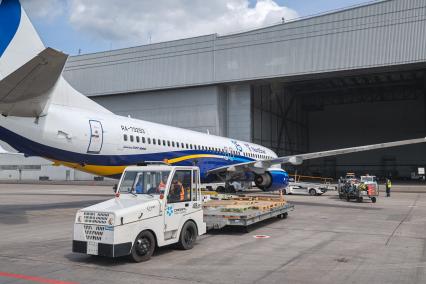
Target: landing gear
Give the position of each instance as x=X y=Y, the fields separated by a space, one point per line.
x=226 y=189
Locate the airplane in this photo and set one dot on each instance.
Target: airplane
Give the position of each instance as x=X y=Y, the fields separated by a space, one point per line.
x=43 y=115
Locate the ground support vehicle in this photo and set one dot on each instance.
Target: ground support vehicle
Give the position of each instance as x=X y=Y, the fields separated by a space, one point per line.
x=154 y=206
x=158 y=205
x=312 y=185
x=310 y=188
x=352 y=188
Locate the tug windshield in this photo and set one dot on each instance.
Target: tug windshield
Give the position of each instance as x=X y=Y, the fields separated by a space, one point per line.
x=144 y=182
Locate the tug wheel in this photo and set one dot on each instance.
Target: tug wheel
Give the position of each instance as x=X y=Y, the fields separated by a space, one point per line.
x=144 y=247
x=188 y=236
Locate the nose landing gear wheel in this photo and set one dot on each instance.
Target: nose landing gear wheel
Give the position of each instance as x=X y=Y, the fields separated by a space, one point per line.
x=143 y=248
x=373 y=199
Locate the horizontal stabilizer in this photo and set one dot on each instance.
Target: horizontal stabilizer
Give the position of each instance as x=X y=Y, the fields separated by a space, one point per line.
x=26 y=91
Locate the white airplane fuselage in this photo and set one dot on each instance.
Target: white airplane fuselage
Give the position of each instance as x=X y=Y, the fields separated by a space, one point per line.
x=104 y=144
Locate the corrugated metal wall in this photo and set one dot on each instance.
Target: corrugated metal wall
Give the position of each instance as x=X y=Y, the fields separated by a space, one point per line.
x=195 y=108
x=380 y=34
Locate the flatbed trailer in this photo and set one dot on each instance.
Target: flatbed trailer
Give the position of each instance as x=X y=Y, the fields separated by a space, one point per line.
x=217 y=219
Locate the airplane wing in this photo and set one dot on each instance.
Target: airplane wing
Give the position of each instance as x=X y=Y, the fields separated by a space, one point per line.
x=25 y=92
x=261 y=165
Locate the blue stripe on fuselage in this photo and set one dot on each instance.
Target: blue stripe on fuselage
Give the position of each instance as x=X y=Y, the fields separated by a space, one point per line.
x=10 y=17
x=31 y=148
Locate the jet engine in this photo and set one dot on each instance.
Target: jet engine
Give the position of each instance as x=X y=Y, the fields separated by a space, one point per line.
x=272 y=180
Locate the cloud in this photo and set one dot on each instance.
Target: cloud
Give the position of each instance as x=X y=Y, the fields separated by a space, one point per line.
x=44 y=9
x=133 y=22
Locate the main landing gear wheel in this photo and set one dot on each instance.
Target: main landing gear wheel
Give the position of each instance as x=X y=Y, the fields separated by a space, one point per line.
x=230 y=189
x=188 y=236
x=373 y=199
x=220 y=189
x=359 y=199
x=312 y=192
x=143 y=248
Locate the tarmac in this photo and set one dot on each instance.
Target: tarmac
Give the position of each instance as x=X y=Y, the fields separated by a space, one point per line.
x=324 y=240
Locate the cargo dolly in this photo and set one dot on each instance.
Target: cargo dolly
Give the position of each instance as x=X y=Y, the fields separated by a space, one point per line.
x=244 y=211
x=215 y=218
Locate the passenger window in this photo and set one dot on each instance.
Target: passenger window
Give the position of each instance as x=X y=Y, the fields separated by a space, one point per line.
x=168 y=143
x=149 y=140
x=173 y=143
x=131 y=138
x=143 y=140
x=153 y=141
x=187 y=146
x=177 y=144
x=125 y=137
x=137 y=139
x=180 y=188
x=159 y=142
x=183 y=146
x=164 y=142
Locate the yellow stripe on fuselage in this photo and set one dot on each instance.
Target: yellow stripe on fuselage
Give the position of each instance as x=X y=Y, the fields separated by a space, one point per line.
x=188 y=157
x=117 y=170
x=94 y=169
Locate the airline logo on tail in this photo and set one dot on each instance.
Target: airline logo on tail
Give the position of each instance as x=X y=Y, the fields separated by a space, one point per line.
x=10 y=17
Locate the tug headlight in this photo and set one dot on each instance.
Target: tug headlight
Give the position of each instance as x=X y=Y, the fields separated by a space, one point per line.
x=110 y=220
x=79 y=217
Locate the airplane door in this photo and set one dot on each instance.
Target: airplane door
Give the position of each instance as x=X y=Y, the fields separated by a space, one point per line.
x=96 y=137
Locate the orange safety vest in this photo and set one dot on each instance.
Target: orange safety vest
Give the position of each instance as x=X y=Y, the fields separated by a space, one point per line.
x=182 y=193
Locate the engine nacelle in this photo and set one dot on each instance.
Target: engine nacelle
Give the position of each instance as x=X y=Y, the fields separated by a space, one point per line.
x=272 y=180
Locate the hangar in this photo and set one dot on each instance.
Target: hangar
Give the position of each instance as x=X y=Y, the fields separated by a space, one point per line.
x=345 y=78
x=350 y=77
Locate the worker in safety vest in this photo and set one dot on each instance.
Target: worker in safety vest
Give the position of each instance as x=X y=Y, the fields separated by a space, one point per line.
x=177 y=191
x=388 y=187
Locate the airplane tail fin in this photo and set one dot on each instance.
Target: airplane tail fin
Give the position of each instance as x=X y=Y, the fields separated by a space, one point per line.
x=19 y=41
x=30 y=74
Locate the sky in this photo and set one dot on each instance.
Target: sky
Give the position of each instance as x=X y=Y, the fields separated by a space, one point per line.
x=87 y=26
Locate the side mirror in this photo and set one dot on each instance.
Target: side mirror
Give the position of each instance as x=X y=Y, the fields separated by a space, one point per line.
x=115 y=187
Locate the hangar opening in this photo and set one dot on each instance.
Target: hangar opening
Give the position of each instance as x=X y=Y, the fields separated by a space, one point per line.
x=341 y=111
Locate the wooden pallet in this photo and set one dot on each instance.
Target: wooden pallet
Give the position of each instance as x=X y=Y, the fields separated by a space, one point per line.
x=243 y=204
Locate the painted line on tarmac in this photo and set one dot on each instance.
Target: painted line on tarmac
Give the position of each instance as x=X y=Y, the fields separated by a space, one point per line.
x=33 y=278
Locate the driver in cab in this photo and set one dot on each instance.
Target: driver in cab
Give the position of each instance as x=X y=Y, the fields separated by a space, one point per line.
x=177 y=192
x=160 y=188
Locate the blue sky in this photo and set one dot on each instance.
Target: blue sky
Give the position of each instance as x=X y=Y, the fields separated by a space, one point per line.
x=70 y=30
